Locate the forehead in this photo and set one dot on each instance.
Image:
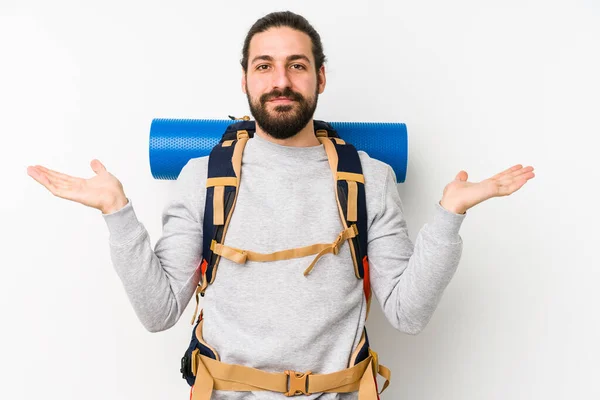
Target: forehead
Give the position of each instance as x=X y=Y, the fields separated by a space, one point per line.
x=280 y=43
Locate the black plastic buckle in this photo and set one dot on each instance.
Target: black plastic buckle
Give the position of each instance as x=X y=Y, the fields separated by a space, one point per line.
x=186 y=364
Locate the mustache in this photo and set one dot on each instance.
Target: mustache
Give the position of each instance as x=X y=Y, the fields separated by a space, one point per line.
x=287 y=92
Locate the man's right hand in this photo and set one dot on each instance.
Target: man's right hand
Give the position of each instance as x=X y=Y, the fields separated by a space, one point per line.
x=103 y=191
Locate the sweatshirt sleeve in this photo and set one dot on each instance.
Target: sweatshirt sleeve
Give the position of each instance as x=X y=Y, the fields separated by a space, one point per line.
x=160 y=283
x=409 y=280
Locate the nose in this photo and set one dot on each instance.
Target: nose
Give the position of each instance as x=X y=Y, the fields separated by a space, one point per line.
x=281 y=80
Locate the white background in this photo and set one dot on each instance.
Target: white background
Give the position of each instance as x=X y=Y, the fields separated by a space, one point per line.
x=481 y=86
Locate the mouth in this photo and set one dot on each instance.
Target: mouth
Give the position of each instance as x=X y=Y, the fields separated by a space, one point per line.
x=281 y=100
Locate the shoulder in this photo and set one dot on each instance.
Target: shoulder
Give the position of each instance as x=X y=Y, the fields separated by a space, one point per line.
x=189 y=190
x=191 y=181
x=380 y=180
x=196 y=168
x=377 y=173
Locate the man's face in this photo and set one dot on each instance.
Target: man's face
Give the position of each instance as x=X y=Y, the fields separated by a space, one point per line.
x=281 y=83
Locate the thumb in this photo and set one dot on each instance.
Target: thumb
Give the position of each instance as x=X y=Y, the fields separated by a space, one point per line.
x=462 y=176
x=97 y=166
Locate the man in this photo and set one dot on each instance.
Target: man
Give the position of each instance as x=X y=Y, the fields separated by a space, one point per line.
x=268 y=315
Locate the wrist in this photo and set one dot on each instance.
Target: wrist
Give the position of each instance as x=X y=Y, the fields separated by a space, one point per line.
x=452 y=207
x=115 y=205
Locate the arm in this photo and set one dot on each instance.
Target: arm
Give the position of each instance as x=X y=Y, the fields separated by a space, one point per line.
x=409 y=280
x=160 y=283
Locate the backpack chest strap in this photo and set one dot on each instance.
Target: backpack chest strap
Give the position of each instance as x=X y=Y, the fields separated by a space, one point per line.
x=241 y=256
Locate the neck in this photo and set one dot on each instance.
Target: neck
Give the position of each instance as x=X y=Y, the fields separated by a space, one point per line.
x=305 y=138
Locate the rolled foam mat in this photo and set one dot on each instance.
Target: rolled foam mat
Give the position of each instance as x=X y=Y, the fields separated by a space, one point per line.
x=173 y=142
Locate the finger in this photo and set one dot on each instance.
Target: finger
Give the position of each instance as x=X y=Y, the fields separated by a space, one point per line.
x=41 y=178
x=520 y=172
x=515 y=184
x=37 y=175
x=507 y=171
x=97 y=166
x=524 y=173
x=462 y=176
x=57 y=176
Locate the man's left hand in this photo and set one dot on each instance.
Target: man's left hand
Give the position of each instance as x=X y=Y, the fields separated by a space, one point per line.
x=460 y=195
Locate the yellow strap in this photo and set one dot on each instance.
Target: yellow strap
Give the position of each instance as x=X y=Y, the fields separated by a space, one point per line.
x=215 y=375
x=227 y=143
x=236 y=159
x=241 y=256
x=367 y=389
x=352 y=201
x=387 y=374
x=202 y=389
x=236 y=162
x=200 y=338
x=379 y=369
x=198 y=290
x=204 y=283
x=230 y=253
x=346 y=234
x=224 y=181
x=360 y=345
x=333 y=159
x=218 y=205
x=368 y=306
x=350 y=176
x=332 y=156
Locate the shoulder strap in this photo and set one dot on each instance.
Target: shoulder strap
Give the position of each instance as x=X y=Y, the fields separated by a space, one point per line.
x=345 y=165
x=222 y=183
x=224 y=173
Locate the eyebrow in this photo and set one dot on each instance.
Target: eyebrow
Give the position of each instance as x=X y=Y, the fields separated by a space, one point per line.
x=292 y=57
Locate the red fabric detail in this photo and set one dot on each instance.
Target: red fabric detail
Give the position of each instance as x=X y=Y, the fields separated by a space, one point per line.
x=366 y=278
x=191 y=392
x=203 y=267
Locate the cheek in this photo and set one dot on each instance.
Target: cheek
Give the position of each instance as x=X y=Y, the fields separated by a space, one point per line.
x=307 y=86
x=255 y=82
x=255 y=89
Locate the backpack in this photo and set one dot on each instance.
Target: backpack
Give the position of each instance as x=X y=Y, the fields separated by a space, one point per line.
x=224 y=172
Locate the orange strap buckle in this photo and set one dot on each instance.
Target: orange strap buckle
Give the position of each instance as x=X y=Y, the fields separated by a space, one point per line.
x=297 y=383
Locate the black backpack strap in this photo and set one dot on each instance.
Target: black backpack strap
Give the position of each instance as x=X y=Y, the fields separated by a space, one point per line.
x=344 y=162
x=232 y=130
x=224 y=173
x=222 y=183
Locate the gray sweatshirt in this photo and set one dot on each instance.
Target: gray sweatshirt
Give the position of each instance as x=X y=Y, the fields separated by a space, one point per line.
x=268 y=315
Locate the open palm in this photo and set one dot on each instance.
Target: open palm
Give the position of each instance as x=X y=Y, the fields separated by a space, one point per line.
x=103 y=191
x=465 y=194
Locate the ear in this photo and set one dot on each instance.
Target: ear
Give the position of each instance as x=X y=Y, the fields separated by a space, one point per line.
x=321 y=79
x=243 y=81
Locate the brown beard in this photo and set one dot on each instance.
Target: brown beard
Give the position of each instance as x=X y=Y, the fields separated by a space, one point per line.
x=286 y=123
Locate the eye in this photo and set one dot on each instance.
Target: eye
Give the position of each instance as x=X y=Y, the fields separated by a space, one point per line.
x=298 y=66
x=260 y=67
